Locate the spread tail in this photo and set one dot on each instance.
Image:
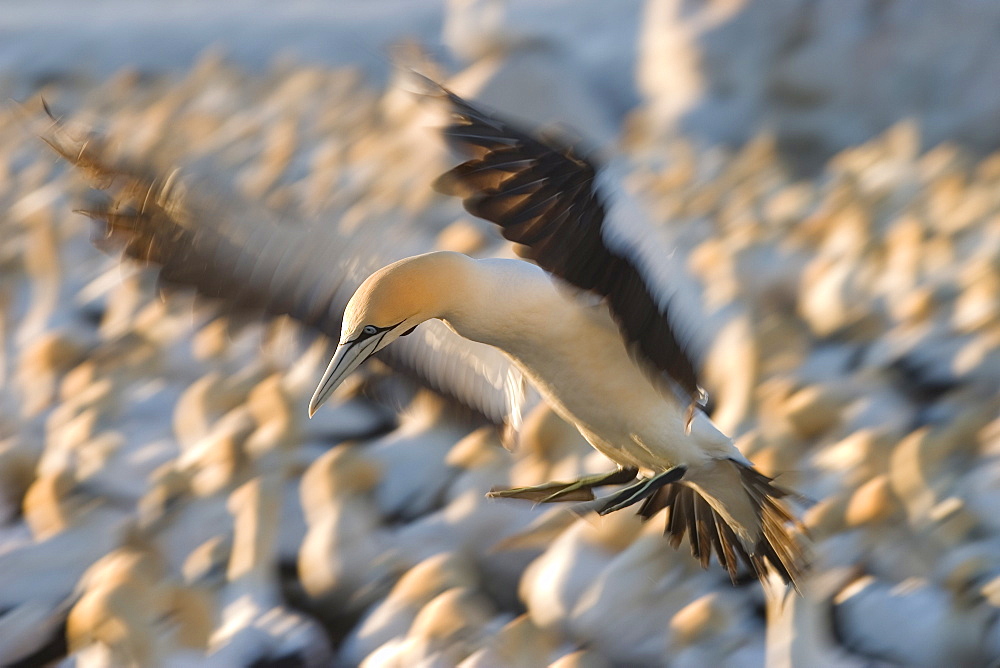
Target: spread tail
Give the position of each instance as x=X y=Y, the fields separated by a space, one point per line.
x=734 y=511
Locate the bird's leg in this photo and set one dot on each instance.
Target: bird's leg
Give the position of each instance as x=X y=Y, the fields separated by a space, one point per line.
x=643 y=489
x=579 y=490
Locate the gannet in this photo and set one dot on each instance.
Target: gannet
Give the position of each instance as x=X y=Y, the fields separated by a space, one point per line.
x=614 y=368
x=236 y=253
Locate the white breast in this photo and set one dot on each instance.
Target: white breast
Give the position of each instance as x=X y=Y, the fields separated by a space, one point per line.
x=574 y=354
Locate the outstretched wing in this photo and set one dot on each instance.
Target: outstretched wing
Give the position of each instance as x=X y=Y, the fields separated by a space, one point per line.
x=548 y=198
x=204 y=236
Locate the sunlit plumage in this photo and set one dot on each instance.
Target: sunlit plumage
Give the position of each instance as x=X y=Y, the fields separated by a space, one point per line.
x=614 y=368
x=585 y=325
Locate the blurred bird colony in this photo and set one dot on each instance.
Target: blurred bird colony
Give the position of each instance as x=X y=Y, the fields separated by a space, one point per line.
x=824 y=171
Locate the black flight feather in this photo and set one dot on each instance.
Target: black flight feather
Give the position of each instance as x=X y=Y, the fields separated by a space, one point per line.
x=542 y=196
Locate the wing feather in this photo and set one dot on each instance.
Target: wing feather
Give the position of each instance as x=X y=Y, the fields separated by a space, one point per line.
x=544 y=196
x=213 y=240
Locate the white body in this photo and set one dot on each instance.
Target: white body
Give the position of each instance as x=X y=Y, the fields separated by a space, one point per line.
x=573 y=352
x=575 y=355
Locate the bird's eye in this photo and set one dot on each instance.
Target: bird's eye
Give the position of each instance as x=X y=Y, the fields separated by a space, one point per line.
x=369 y=330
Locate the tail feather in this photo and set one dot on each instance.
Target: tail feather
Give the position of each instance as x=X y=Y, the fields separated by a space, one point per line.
x=701 y=544
x=773 y=543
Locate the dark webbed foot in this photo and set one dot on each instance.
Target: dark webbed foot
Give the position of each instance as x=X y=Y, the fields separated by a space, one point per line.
x=579 y=490
x=643 y=489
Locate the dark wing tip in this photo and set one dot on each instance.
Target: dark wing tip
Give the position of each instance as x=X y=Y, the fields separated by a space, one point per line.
x=451 y=184
x=780 y=544
x=541 y=192
x=689 y=514
x=426 y=86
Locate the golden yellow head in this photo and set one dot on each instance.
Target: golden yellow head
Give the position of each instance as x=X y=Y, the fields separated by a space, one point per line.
x=389 y=304
x=414 y=288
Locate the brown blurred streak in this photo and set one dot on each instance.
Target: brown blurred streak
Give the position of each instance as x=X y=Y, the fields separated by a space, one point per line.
x=152 y=220
x=228 y=249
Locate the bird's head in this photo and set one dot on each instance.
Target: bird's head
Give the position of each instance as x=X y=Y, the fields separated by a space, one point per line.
x=389 y=304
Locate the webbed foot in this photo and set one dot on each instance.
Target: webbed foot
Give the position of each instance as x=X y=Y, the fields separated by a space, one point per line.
x=578 y=490
x=643 y=489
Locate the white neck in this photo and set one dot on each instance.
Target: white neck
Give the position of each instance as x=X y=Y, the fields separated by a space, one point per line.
x=502 y=302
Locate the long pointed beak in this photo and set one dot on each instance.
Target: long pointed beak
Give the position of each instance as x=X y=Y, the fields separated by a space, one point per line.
x=348 y=357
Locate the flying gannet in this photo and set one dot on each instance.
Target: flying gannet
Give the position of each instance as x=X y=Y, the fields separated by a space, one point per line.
x=615 y=369
x=228 y=248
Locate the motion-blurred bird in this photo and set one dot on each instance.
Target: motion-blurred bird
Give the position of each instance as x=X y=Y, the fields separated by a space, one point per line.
x=204 y=235
x=616 y=369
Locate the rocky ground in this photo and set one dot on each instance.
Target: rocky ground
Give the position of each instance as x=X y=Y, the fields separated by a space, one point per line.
x=164 y=498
